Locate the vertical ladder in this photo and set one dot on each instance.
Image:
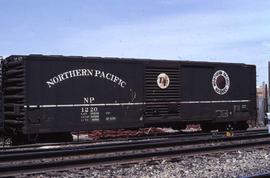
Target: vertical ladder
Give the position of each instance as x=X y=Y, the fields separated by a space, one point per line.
x=14 y=93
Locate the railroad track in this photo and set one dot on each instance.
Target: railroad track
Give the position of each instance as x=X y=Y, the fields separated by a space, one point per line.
x=27 y=161
x=161 y=136
x=24 y=149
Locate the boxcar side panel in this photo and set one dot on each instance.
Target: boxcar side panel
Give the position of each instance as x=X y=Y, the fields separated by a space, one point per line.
x=221 y=93
x=81 y=95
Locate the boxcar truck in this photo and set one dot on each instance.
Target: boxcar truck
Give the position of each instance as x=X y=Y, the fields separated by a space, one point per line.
x=48 y=97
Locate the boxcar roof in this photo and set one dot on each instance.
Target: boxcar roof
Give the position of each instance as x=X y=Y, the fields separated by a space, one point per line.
x=117 y=59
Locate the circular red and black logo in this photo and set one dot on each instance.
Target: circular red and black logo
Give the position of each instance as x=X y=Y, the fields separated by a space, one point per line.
x=221 y=82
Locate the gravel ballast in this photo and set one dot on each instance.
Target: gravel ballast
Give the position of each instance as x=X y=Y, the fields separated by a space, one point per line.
x=239 y=163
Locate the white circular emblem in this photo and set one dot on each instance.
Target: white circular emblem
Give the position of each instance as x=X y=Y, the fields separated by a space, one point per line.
x=163 y=80
x=221 y=82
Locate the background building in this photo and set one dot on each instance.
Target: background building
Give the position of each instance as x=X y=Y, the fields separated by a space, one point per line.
x=262 y=103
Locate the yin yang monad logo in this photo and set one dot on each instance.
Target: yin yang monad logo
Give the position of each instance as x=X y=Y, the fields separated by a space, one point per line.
x=163 y=81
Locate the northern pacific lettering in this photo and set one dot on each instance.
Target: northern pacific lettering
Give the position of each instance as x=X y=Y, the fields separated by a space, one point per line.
x=86 y=73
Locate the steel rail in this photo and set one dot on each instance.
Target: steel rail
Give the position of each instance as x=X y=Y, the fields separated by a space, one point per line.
x=40 y=147
x=58 y=146
x=95 y=149
x=64 y=164
x=162 y=135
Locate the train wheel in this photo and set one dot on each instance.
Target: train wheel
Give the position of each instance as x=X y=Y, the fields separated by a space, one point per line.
x=243 y=125
x=223 y=127
x=55 y=137
x=206 y=127
x=67 y=137
x=179 y=126
x=19 y=139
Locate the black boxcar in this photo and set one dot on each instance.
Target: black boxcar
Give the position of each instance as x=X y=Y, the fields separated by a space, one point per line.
x=57 y=94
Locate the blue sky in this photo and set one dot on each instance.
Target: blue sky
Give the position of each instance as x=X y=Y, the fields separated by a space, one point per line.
x=202 y=30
